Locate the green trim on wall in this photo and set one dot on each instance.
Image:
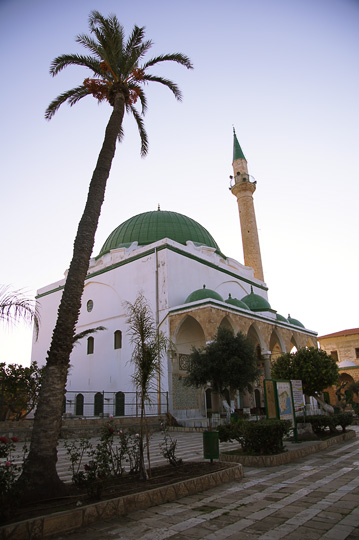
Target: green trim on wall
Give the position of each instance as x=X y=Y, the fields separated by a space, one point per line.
x=150 y=252
x=239 y=311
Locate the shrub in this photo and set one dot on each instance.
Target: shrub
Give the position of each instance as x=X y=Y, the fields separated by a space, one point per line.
x=10 y=470
x=344 y=420
x=321 y=422
x=231 y=432
x=265 y=436
x=92 y=466
x=256 y=437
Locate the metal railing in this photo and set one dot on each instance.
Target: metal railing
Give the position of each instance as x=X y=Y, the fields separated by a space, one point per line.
x=90 y=404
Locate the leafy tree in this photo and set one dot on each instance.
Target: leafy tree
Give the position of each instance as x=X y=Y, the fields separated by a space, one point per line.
x=148 y=347
x=118 y=77
x=228 y=361
x=15 y=306
x=314 y=367
x=19 y=390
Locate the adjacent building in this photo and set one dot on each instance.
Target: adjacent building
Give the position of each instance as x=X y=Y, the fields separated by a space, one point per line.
x=343 y=346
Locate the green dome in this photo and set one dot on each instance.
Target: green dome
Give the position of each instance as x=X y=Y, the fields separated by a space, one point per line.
x=203 y=294
x=236 y=302
x=256 y=302
x=150 y=227
x=281 y=318
x=295 y=322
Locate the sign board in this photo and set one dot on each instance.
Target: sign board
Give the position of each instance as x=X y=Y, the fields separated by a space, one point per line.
x=270 y=394
x=279 y=400
x=298 y=396
x=285 y=401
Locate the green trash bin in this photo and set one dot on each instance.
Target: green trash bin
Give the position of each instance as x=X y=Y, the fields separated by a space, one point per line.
x=210 y=445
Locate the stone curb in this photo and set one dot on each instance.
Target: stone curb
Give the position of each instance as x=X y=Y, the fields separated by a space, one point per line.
x=65 y=522
x=287 y=457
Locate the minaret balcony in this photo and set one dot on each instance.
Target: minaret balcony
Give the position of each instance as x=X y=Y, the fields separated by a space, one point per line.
x=241 y=178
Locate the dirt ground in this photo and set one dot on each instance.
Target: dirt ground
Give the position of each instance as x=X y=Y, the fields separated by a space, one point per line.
x=126 y=485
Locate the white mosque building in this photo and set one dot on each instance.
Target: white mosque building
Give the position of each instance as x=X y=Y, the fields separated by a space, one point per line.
x=192 y=288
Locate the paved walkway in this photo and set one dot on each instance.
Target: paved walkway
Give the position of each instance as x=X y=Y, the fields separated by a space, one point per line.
x=312 y=498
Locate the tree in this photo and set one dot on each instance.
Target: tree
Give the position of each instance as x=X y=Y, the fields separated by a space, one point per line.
x=19 y=390
x=228 y=361
x=314 y=367
x=15 y=306
x=148 y=347
x=118 y=77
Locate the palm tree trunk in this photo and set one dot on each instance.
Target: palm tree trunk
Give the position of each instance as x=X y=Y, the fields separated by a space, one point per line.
x=39 y=474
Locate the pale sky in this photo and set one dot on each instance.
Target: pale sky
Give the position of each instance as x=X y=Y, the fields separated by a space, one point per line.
x=283 y=72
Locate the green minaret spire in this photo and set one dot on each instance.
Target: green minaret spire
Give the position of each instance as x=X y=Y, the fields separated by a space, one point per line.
x=237 y=150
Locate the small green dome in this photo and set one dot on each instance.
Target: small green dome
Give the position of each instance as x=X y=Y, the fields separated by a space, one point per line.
x=256 y=302
x=150 y=227
x=202 y=294
x=295 y=322
x=236 y=302
x=281 y=318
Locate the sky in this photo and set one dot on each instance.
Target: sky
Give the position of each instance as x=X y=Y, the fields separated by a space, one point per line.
x=284 y=73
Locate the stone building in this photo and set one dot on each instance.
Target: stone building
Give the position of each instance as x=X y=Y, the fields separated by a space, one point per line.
x=192 y=288
x=343 y=346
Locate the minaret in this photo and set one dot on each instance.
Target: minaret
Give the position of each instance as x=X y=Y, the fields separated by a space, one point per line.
x=243 y=188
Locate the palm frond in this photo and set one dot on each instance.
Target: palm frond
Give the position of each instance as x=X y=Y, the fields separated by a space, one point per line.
x=15 y=306
x=142 y=131
x=90 y=44
x=110 y=36
x=59 y=63
x=166 y=82
x=85 y=333
x=120 y=135
x=72 y=96
x=175 y=57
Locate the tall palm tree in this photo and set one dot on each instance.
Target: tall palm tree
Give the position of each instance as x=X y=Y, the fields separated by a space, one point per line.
x=118 y=77
x=15 y=306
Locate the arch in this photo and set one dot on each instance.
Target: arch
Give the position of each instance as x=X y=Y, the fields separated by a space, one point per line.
x=311 y=342
x=117 y=339
x=257 y=398
x=293 y=345
x=190 y=334
x=98 y=404
x=226 y=323
x=90 y=345
x=256 y=337
x=120 y=404
x=79 y=405
x=276 y=345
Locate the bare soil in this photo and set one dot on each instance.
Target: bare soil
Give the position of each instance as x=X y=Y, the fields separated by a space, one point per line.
x=126 y=485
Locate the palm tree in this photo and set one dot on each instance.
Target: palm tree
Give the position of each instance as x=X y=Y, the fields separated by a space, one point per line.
x=15 y=306
x=118 y=77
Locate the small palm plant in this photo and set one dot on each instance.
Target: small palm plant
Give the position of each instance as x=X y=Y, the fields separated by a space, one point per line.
x=148 y=347
x=118 y=76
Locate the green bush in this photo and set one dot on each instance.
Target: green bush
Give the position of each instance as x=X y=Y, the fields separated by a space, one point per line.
x=231 y=432
x=265 y=436
x=321 y=422
x=344 y=420
x=256 y=437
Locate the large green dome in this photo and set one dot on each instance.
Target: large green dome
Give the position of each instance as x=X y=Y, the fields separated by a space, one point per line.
x=149 y=227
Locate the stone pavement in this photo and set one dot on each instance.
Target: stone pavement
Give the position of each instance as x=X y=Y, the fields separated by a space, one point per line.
x=314 y=497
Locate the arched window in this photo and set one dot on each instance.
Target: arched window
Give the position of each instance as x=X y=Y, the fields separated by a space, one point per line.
x=90 y=345
x=98 y=404
x=79 y=405
x=118 y=339
x=120 y=404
